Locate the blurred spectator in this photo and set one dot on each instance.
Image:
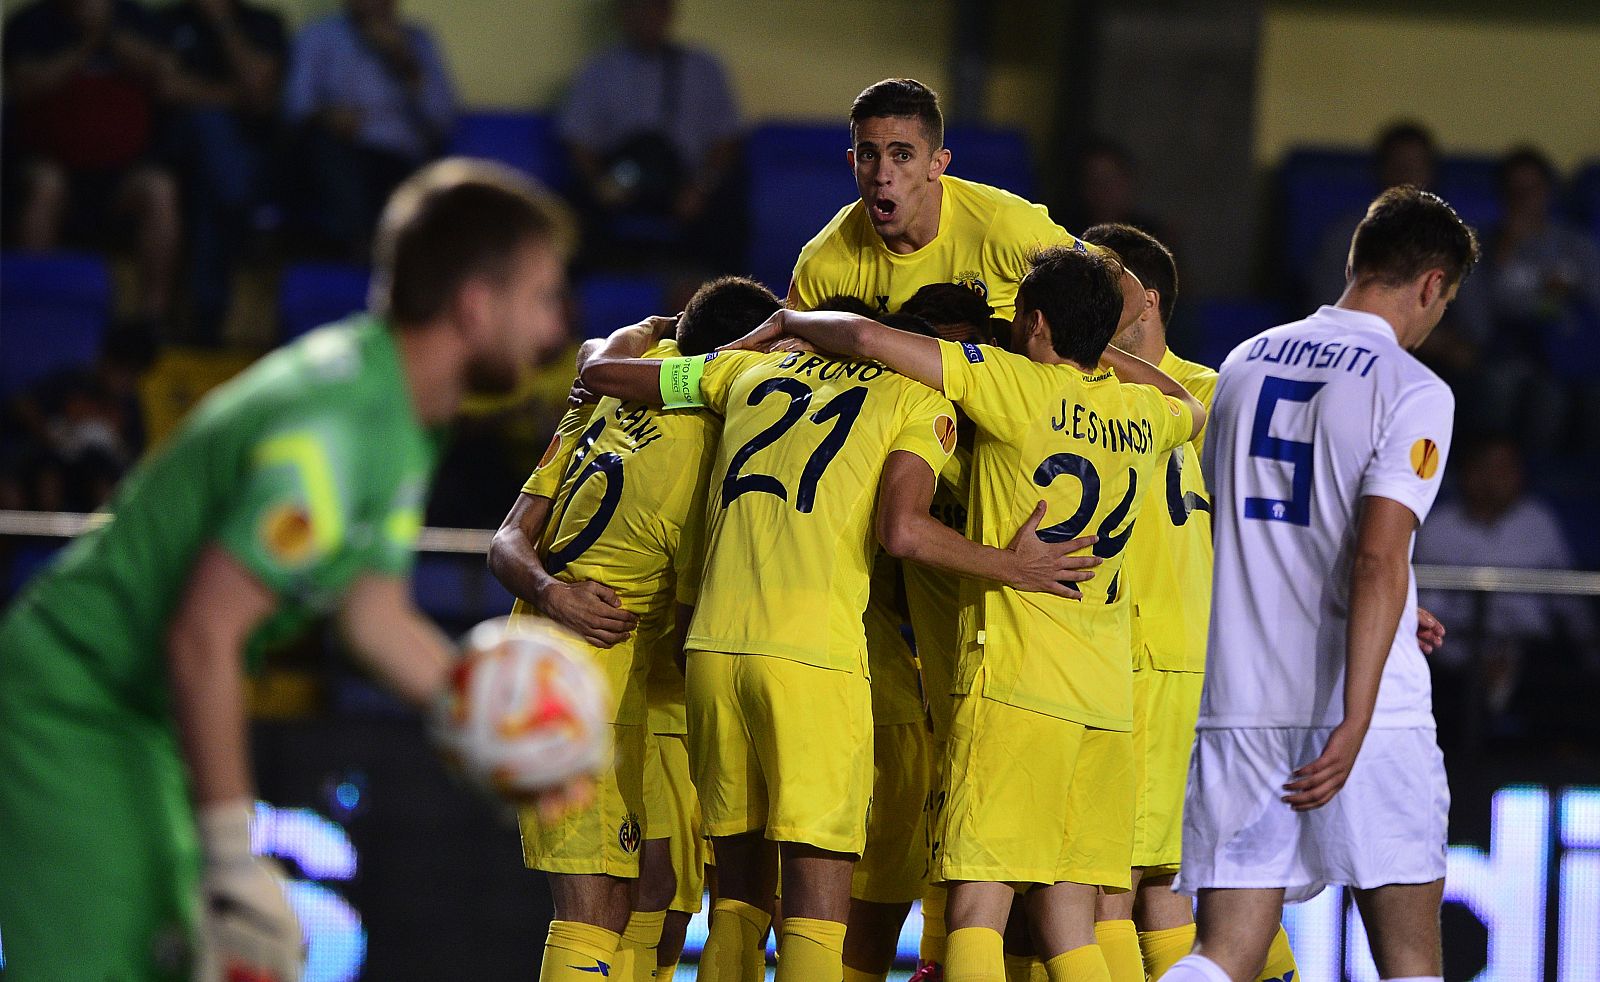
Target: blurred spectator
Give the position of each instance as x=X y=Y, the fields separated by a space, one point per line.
x=1108 y=190
x=373 y=101
x=223 y=104
x=1540 y=291
x=1495 y=522
x=80 y=79
x=71 y=436
x=652 y=128
x=1405 y=153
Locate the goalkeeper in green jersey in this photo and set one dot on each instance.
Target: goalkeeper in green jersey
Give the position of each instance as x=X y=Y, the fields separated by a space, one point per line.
x=294 y=491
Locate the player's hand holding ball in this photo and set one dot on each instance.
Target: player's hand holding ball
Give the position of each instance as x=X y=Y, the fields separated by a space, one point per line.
x=526 y=715
x=249 y=933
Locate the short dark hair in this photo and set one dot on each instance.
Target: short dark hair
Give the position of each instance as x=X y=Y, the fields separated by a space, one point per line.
x=901 y=98
x=902 y=321
x=1080 y=295
x=843 y=303
x=949 y=303
x=1146 y=256
x=1408 y=231
x=454 y=220
x=1523 y=156
x=722 y=311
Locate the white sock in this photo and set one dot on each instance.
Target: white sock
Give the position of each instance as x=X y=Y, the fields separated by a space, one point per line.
x=1197 y=968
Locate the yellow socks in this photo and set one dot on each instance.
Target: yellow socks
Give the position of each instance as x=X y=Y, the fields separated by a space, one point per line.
x=737 y=929
x=1082 y=964
x=810 y=949
x=933 y=934
x=1024 y=968
x=642 y=937
x=576 y=952
x=1162 y=949
x=1119 y=945
x=856 y=975
x=974 y=954
x=1280 y=960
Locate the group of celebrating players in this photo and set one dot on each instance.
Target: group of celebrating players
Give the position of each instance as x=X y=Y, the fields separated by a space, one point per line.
x=903 y=588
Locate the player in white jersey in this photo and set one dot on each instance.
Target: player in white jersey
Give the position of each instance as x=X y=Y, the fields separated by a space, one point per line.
x=1315 y=760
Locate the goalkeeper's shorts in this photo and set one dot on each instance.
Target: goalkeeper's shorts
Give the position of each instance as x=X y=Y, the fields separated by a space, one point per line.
x=604 y=837
x=99 y=863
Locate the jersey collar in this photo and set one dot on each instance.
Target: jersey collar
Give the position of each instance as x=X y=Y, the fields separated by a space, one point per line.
x=1358 y=320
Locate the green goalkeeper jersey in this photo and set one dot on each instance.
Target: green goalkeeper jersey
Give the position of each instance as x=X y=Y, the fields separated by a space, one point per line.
x=309 y=469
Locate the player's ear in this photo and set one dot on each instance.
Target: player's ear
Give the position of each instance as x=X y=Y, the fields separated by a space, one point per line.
x=939 y=163
x=850 y=155
x=1433 y=287
x=474 y=309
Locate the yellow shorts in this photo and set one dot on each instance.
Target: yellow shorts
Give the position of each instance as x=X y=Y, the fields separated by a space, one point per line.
x=1031 y=798
x=605 y=837
x=1165 y=706
x=782 y=746
x=673 y=812
x=894 y=865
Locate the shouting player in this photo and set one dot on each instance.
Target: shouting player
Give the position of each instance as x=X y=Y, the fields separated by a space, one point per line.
x=914 y=224
x=821 y=459
x=292 y=491
x=631 y=492
x=1039 y=781
x=1315 y=760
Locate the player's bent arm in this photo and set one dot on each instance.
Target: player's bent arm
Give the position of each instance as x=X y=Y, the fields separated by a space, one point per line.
x=912 y=355
x=393 y=640
x=1379 y=579
x=220 y=607
x=591 y=610
x=907 y=531
x=615 y=368
x=1131 y=368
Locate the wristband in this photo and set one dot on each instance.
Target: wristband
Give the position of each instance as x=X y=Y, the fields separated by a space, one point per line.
x=680 y=382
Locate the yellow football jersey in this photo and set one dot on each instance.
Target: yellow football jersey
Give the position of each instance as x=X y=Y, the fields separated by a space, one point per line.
x=1167 y=568
x=934 y=597
x=896 y=693
x=789 y=531
x=1087 y=445
x=634 y=479
x=985 y=239
x=545 y=480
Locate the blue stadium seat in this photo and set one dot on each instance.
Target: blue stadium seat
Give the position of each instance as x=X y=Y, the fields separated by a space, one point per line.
x=799 y=179
x=1215 y=327
x=1585 y=192
x=1468 y=183
x=1000 y=157
x=53 y=314
x=526 y=141
x=313 y=294
x=1319 y=187
x=607 y=302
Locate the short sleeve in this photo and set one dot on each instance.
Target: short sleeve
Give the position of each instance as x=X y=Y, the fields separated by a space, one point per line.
x=1171 y=420
x=291 y=515
x=721 y=368
x=1016 y=234
x=545 y=480
x=929 y=430
x=1408 y=462
x=991 y=385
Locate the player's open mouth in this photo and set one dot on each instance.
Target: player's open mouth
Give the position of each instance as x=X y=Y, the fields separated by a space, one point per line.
x=883 y=209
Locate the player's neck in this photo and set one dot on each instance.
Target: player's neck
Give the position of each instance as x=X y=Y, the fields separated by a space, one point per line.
x=434 y=365
x=926 y=227
x=1386 y=304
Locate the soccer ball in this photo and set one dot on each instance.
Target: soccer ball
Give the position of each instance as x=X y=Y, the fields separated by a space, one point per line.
x=525 y=710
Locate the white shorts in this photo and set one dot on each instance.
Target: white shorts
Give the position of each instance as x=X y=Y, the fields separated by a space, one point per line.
x=1386 y=825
